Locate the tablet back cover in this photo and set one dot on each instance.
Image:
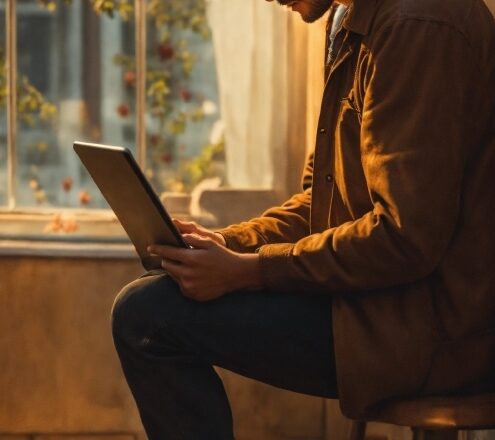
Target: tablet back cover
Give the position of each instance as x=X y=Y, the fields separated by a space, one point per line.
x=131 y=197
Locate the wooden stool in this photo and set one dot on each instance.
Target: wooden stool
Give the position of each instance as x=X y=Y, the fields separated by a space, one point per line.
x=434 y=417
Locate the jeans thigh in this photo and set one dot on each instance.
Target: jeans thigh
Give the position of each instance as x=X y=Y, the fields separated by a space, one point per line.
x=283 y=339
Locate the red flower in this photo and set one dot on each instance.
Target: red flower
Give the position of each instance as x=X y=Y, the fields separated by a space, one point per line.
x=70 y=225
x=84 y=197
x=186 y=95
x=67 y=183
x=155 y=139
x=130 y=79
x=167 y=158
x=166 y=51
x=123 y=110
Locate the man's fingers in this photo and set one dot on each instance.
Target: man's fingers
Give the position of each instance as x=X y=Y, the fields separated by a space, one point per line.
x=177 y=281
x=181 y=255
x=173 y=268
x=197 y=241
x=179 y=273
x=185 y=227
x=169 y=252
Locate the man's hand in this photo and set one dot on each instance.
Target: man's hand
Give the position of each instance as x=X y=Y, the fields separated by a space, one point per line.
x=208 y=270
x=194 y=228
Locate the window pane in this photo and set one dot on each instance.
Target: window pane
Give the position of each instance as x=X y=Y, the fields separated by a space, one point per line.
x=184 y=132
x=70 y=87
x=3 y=113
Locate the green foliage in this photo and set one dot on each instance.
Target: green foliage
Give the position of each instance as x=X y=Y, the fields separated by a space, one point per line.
x=124 y=8
x=170 y=66
x=203 y=166
x=171 y=100
x=193 y=171
x=3 y=80
x=51 y=5
x=185 y=14
x=31 y=105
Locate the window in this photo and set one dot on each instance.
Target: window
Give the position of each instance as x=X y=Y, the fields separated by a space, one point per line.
x=200 y=90
x=77 y=77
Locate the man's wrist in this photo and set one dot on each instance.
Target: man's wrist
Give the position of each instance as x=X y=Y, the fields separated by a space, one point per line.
x=251 y=272
x=220 y=239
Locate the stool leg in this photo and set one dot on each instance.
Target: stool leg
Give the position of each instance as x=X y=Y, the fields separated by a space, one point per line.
x=358 y=430
x=440 y=434
x=418 y=434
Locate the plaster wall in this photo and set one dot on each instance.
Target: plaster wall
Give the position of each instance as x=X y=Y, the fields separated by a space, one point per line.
x=59 y=373
x=491 y=5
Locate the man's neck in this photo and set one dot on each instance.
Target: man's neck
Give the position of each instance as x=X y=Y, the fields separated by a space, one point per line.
x=344 y=2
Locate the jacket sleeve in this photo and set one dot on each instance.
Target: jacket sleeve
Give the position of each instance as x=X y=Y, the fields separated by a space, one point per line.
x=287 y=223
x=414 y=124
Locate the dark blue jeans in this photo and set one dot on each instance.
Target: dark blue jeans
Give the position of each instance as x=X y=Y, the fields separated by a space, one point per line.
x=168 y=344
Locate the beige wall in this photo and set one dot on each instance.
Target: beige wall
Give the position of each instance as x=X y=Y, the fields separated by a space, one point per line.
x=59 y=372
x=491 y=5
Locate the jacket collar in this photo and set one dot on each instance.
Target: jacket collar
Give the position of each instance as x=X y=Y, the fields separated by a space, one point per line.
x=360 y=16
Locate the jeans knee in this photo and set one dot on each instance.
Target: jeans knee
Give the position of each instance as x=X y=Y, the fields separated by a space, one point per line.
x=122 y=309
x=129 y=311
x=144 y=307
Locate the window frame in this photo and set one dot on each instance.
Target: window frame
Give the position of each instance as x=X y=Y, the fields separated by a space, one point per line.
x=11 y=75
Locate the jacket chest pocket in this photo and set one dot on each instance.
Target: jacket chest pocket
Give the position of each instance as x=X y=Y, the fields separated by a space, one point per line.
x=349 y=104
x=348 y=131
x=349 y=174
x=348 y=138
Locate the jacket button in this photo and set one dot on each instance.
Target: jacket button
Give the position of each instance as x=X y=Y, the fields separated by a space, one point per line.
x=323 y=130
x=329 y=178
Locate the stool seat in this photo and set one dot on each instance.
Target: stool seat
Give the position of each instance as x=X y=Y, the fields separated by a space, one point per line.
x=445 y=412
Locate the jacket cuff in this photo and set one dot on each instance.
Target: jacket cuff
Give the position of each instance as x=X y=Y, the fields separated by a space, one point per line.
x=275 y=264
x=231 y=239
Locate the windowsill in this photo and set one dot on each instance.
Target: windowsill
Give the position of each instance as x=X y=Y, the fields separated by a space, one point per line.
x=39 y=225
x=98 y=234
x=52 y=249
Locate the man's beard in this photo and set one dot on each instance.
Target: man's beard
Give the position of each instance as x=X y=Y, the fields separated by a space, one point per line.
x=318 y=9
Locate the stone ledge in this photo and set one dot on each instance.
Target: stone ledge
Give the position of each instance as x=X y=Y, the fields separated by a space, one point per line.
x=24 y=248
x=71 y=436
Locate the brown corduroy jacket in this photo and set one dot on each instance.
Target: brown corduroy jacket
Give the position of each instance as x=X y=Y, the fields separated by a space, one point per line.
x=397 y=215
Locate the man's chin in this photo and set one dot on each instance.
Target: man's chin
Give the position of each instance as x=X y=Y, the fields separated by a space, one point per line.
x=315 y=15
x=311 y=18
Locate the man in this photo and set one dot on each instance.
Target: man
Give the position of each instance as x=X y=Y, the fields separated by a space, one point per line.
x=378 y=279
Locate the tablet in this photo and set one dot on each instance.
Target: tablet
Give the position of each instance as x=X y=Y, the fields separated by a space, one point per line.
x=130 y=195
